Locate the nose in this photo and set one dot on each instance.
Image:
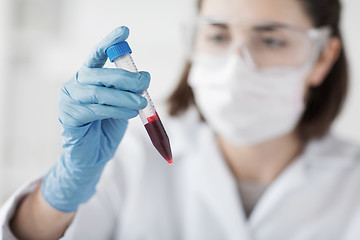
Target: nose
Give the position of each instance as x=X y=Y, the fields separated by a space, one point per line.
x=240 y=49
x=238 y=44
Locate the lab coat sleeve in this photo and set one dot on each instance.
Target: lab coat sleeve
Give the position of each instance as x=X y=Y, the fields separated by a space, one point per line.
x=103 y=215
x=94 y=219
x=8 y=209
x=100 y=217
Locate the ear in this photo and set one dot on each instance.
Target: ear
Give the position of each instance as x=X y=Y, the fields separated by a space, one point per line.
x=327 y=58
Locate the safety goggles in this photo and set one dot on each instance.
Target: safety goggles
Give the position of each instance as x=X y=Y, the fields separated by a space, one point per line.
x=262 y=44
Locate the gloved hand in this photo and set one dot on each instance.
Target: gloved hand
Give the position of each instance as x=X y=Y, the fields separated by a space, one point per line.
x=94 y=108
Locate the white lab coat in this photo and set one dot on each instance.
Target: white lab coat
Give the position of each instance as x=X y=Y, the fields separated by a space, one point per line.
x=140 y=196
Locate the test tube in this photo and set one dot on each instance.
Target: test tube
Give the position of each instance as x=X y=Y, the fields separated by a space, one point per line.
x=120 y=54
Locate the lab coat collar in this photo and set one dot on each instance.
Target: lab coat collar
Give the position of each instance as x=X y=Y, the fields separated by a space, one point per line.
x=214 y=181
x=294 y=176
x=324 y=157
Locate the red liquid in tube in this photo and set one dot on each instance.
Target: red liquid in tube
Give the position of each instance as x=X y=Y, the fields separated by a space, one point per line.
x=159 y=137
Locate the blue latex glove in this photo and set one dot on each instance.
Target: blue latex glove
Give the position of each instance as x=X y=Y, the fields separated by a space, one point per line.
x=94 y=108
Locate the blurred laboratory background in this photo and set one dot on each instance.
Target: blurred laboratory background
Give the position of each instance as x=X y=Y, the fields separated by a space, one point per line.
x=43 y=43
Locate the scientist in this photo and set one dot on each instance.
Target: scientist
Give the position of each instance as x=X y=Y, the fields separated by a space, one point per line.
x=253 y=156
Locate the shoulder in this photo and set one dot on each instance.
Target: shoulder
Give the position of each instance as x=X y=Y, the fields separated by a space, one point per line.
x=336 y=163
x=333 y=162
x=333 y=149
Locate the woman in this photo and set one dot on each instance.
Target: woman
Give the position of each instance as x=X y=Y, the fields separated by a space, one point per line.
x=268 y=78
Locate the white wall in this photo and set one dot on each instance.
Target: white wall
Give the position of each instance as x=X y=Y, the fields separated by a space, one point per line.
x=49 y=40
x=4 y=25
x=348 y=123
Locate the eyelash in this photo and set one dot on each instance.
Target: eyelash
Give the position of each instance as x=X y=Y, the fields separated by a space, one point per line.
x=272 y=42
x=267 y=41
x=218 y=38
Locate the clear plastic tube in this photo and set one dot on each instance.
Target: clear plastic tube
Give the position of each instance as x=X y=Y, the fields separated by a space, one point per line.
x=148 y=115
x=127 y=63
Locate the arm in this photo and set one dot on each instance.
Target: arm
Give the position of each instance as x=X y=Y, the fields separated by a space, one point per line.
x=94 y=108
x=36 y=219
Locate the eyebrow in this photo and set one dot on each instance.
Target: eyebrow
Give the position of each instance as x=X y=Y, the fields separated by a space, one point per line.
x=258 y=28
x=220 y=25
x=261 y=26
x=268 y=27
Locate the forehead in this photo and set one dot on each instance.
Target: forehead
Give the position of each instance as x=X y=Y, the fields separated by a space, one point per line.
x=283 y=11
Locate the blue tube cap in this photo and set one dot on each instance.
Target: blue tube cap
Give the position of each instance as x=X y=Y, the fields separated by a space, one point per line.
x=118 y=50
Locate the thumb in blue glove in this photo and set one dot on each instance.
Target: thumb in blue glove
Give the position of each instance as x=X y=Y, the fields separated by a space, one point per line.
x=94 y=108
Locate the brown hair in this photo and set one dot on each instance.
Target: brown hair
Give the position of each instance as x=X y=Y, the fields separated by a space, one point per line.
x=323 y=103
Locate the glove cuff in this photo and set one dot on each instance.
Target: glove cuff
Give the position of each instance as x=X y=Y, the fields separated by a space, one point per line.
x=66 y=188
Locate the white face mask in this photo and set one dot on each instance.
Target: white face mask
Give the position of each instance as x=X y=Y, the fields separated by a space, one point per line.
x=244 y=106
